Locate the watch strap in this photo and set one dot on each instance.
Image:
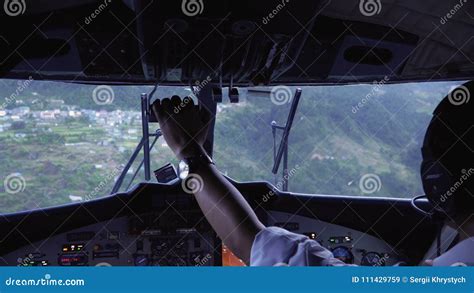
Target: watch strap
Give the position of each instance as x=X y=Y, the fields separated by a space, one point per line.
x=199 y=160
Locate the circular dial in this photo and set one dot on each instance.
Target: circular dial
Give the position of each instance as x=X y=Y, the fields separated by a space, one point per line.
x=343 y=253
x=372 y=259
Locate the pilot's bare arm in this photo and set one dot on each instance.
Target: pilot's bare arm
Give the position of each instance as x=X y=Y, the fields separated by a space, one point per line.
x=228 y=212
x=223 y=205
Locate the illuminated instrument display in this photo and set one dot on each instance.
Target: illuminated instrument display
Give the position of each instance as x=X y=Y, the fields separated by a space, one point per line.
x=37 y=263
x=70 y=259
x=72 y=247
x=340 y=239
x=311 y=235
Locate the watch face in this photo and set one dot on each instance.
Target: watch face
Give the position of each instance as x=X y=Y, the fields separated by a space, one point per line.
x=183 y=170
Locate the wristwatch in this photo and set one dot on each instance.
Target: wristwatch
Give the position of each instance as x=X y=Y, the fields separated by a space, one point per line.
x=192 y=164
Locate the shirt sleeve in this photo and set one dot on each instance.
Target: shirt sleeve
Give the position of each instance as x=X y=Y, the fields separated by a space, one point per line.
x=274 y=246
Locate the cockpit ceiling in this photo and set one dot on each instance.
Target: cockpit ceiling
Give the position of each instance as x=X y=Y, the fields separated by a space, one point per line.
x=242 y=42
x=445 y=30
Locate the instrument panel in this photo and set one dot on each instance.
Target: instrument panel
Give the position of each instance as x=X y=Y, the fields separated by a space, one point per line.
x=172 y=238
x=151 y=239
x=349 y=245
x=162 y=240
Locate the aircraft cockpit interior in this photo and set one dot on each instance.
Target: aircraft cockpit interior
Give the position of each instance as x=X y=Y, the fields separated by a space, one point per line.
x=318 y=115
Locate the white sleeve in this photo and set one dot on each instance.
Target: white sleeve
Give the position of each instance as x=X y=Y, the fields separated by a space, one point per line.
x=275 y=246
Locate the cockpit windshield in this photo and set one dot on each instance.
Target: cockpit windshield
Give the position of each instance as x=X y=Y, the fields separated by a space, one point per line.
x=345 y=140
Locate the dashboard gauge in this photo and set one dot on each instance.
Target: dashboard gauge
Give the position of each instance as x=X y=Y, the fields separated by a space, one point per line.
x=73 y=259
x=343 y=253
x=140 y=260
x=372 y=259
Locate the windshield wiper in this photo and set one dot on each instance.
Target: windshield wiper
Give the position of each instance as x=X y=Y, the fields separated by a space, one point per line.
x=283 y=148
x=143 y=144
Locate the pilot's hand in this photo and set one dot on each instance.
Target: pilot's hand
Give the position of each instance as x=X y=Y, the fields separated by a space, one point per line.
x=184 y=127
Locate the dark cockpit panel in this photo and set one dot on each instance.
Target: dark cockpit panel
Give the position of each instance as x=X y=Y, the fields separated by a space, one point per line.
x=175 y=42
